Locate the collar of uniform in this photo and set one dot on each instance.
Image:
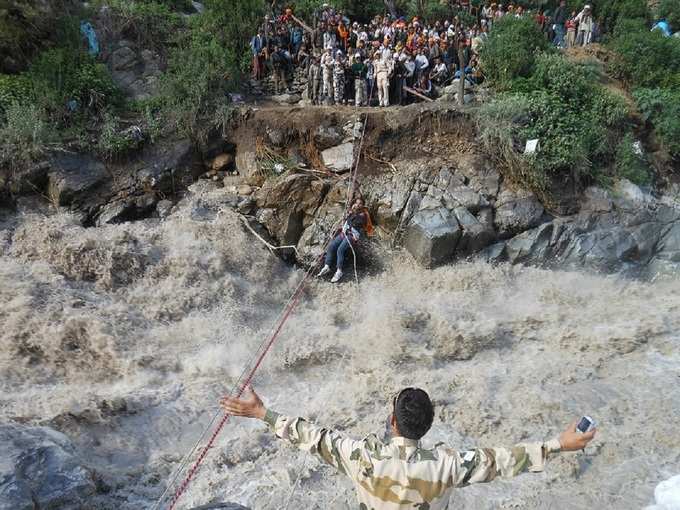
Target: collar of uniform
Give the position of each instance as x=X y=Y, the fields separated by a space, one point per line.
x=404 y=441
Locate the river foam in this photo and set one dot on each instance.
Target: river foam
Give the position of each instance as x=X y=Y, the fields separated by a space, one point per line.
x=125 y=336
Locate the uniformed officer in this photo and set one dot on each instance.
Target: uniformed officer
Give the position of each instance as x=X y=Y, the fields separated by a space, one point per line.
x=401 y=474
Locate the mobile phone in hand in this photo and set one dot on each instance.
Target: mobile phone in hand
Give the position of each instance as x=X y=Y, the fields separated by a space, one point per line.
x=585 y=424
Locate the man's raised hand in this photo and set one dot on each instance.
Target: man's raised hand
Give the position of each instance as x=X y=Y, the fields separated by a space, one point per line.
x=573 y=440
x=248 y=406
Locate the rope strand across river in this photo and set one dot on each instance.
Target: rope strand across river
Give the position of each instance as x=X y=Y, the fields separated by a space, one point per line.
x=251 y=368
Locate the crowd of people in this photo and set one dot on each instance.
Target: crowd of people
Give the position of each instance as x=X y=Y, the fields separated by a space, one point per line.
x=392 y=60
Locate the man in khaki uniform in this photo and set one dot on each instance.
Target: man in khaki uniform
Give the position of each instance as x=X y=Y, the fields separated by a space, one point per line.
x=401 y=474
x=382 y=69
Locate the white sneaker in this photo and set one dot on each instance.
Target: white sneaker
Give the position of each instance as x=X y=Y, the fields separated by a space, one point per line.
x=336 y=276
x=324 y=271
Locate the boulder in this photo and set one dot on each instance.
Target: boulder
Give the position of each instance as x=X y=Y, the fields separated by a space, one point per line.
x=247 y=167
x=339 y=158
x=327 y=136
x=287 y=98
x=39 y=469
x=432 y=236
x=596 y=199
x=221 y=162
x=244 y=189
x=26 y=180
x=73 y=177
x=163 y=208
x=517 y=211
x=115 y=212
x=167 y=168
x=123 y=58
x=476 y=234
x=134 y=70
x=292 y=201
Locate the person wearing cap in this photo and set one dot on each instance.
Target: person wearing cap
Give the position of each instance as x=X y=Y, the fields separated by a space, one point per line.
x=398 y=472
x=585 y=26
x=359 y=72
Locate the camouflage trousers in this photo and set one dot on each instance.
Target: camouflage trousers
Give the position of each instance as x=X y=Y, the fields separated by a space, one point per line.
x=360 y=92
x=339 y=87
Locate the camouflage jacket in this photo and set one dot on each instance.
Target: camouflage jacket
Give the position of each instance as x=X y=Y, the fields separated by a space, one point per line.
x=403 y=475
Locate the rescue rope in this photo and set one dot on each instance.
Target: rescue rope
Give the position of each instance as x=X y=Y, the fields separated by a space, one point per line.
x=247 y=375
x=352 y=183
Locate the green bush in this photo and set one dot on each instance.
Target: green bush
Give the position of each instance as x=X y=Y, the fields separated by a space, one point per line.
x=511 y=49
x=500 y=124
x=61 y=75
x=670 y=10
x=151 y=23
x=646 y=58
x=630 y=164
x=113 y=142
x=562 y=104
x=24 y=133
x=662 y=108
x=614 y=12
x=207 y=62
x=14 y=89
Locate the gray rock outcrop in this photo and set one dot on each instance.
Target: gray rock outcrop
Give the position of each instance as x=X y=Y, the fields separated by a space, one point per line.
x=626 y=232
x=432 y=236
x=135 y=70
x=39 y=470
x=73 y=177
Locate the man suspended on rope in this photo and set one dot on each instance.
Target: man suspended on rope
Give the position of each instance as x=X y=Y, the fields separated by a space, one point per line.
x=357 y=223
x=401 y=474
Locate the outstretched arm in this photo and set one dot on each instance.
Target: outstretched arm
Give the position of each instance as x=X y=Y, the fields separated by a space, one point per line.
x=485 y=464
x=331 y=446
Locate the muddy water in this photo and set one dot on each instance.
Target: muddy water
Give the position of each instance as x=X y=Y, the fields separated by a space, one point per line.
x=124 y=338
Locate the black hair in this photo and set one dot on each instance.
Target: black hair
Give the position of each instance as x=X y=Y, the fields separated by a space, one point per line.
x=413 y=412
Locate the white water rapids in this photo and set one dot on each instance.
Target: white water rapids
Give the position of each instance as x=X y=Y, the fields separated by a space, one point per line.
x=124 y=337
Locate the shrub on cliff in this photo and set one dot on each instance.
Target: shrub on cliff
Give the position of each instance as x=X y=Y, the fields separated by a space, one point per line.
x=511 y=49
x=670 y=11
x=646 y=58
x=577 y=122
x=24 y=134
x=208 y=61
x=661 y=107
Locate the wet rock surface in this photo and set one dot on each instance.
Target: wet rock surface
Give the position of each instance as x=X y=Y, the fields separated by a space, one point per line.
x=39 y=470
x=630 y=233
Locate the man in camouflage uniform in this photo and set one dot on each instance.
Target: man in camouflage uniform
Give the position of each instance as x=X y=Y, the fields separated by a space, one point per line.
x=401 y=474
x=339 y=78
x=314 y=80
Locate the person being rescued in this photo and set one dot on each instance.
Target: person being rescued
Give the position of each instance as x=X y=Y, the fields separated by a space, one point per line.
x=357 y=224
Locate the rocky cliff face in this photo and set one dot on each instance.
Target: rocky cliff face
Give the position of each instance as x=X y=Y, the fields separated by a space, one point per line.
x=439 y=205
x=428 y=186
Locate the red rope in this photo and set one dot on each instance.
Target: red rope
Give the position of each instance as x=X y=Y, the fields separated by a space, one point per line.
x=185 y=483
x=292 y=304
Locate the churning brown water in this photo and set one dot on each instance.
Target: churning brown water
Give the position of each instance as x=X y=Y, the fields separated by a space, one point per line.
x=124 y=337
